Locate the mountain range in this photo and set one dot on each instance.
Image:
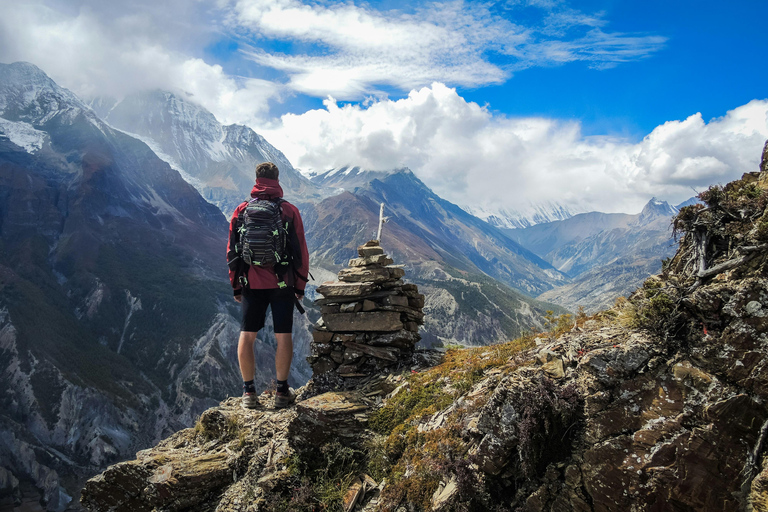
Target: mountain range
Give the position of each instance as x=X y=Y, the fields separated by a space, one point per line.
x=217 y=159
x=523 y=216
x=606 y=255
x=340 y=209
x=116 y=319
x=117 y=324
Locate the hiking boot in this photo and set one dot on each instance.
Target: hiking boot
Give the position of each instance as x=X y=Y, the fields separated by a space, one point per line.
x=283 y=400
x=250 y=401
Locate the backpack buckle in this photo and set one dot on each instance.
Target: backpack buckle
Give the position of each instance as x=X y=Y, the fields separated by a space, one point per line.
x=281 y=284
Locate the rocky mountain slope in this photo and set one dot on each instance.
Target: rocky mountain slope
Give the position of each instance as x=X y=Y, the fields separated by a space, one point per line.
x=221 y=167
x=470 y=271
x=218 y=160
x=117 y=325
x=655 y=404
x=440 y=229
x=607 y=255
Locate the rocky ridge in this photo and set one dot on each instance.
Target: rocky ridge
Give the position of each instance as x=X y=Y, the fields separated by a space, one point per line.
x=658 y=403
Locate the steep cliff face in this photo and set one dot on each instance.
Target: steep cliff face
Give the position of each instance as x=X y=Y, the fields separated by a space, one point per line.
x=117 y=325
x=219 y=160
x=656 y=404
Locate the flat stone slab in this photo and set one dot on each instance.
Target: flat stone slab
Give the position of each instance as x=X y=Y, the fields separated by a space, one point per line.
x=355 y=298
x=395 y=300
x=386 y=353
x=376 y=259
x=370 y=248
x=332 y=405
x=344 y=289
x=401 y=339
x=370 y=274
x=330 y=415
x=364 y=321
x=369 y=251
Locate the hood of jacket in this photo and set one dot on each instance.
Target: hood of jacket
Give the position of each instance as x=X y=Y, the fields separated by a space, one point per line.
x=266 y=188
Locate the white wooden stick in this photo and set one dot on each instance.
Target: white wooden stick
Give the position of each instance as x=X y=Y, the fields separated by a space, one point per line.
x=381 y=222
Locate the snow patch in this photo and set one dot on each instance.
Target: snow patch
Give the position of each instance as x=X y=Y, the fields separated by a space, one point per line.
x=524 y=215
x=23 y=135
x=134 y=304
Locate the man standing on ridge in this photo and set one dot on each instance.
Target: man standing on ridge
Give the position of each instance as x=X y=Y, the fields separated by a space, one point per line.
x=268 y=266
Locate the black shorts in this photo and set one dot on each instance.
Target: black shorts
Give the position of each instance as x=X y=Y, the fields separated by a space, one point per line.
x=255 y=304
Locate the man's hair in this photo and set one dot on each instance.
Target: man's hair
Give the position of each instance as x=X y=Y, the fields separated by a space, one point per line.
x=267 y=170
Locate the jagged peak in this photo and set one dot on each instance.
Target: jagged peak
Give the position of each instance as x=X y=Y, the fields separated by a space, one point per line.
x=23 y=84
x=352 y=176
x=654 y=209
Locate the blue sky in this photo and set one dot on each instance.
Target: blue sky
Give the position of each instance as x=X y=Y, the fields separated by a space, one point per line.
x=709 y=63
x=591 y=104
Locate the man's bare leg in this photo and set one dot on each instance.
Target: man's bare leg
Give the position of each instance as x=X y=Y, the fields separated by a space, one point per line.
x=283 y=355
x=245 y=355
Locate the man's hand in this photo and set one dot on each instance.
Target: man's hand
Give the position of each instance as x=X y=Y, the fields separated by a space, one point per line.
x=299 y=295
x=238 y=298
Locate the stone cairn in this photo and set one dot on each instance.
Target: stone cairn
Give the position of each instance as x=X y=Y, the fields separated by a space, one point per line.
x=370 y=318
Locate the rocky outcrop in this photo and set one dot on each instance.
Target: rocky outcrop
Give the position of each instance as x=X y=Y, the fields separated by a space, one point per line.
x=234 y=458
x=656 y=404
x=370 y=318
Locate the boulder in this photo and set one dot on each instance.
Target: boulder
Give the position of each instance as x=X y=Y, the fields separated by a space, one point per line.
x=330 y=416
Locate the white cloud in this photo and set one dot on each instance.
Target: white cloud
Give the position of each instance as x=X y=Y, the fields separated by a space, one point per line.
x=350 y=50
x=369 y=47
x=459 y=148
x=106 y=49
x=101 y=47
x=601 y=50
x=470 y=156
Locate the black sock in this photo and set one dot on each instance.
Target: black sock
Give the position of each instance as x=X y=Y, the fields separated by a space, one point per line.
x=282 y=386
x=249 y=386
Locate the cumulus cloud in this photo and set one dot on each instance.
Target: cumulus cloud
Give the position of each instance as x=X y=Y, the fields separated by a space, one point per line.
x=353 y=49
x=102 y=48
x=470 y=156
x=348 y=50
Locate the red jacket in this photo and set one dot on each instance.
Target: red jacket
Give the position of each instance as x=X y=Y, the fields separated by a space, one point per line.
x=265 y=278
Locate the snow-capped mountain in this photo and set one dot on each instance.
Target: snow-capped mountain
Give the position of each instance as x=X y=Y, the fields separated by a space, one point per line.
x=439 y=229
x=349 y=177
x=523 y=216
x=216 y=159
x=654 y=209
x=117 y=323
